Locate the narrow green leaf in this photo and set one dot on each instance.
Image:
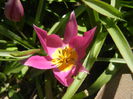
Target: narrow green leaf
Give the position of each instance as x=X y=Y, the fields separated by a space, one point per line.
x=103 y=8
x=81 y=95
x=25 y=53
x=61 y=1
x=39 y=88
x=103 y=79
x=128 y=4
x=114 y=60
x=48 y=87
x=81 y=29
x=6 y=53
x=4 y=31
x=120 y=41
x=15 y=55
x=95 y=50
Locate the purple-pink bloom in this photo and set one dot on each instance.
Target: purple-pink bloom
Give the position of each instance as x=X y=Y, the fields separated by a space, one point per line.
x=64 y=56
x=14 y=10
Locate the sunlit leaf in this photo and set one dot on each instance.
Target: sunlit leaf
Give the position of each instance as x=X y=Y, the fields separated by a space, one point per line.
x=103 y=8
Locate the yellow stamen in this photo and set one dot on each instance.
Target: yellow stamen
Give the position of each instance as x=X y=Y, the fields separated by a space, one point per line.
x=64 y=58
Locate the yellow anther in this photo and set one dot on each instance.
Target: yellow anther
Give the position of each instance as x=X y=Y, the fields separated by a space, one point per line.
x=64 y=58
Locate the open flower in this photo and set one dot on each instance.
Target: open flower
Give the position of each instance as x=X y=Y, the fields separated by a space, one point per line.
x=14 y=10
x=64 y=56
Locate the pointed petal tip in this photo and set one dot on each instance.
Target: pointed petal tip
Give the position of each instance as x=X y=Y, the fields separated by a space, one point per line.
x=94 y=28
x=90 y=32
x=71 y=28
x=72 y=13
x=34 y=25
x=39 y=30
x=73 y=16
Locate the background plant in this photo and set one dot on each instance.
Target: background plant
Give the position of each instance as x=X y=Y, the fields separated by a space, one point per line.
x=111 y=47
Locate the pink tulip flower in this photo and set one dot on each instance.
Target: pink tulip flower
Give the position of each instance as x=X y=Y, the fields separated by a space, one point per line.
x=64 y=56
x=14 y=10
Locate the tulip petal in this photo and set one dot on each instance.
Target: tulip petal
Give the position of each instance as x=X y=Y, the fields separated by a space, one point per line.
x=39 y=62
x=65 y=78
x=89 y=35
x=53 y=42
x=80 y=43
x=71 y=28
x=42 y=34
x=49 y=42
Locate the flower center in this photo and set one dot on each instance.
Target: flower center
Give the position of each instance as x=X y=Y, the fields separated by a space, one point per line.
x=64 y=58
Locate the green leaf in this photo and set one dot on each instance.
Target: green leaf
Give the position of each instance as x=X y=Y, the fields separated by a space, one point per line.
x=25 y=53
x=50 y=1
x=103 y=79
x=4 y=31
x=114 y=60
x=81 y=95
x=128 y=4
x=120 y=41
x=103 y=8
x=13 y=55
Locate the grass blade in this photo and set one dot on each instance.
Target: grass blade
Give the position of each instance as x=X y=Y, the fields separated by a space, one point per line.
x=114 y=60
x=103 y=8
x=13 y=36
x=104 y=78
x=121 y=42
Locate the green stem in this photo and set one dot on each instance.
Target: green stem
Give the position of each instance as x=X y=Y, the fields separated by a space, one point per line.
x=75 y=85
x=19 y=55
x=25 y=53
x=38 y=15
x=15 y=59
x=48 y=87
x=88 y=63
x=114 y=60
x=39 y=89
